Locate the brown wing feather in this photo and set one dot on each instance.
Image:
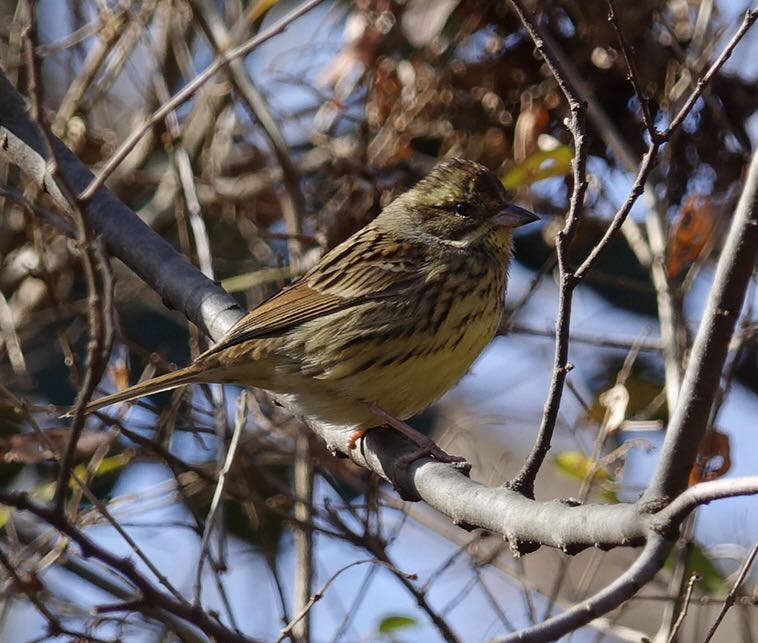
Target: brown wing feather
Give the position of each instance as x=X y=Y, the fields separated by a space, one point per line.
x=288 y=308
x=363 y=268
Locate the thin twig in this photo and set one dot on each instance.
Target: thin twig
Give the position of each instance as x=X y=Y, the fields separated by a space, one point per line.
x=303 y=486
x=29 y=587
x=732 y=595
x=633 y=75
x=210 y=522
x=524 y=481
x=188 y=90
x=751 y=15
x=653 y=345
x=293 y=204
x=151 y=597
x=317 y=596
x=694 y=577
x=99 y=290
x=646 y=167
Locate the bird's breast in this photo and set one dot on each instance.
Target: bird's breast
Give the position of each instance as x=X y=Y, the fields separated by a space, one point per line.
x=402 y=353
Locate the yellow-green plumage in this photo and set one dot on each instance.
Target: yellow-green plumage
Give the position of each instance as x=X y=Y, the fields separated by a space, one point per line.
x=393 y=317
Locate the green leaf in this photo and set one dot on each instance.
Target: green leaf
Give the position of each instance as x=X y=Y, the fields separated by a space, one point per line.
x=712 y=581
x=540 y=165
x=395 y=622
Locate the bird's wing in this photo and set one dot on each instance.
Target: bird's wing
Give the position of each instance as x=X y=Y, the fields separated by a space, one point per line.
x=365 y=267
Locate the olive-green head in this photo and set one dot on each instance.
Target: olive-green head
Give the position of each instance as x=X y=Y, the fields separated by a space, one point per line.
x=459 y=202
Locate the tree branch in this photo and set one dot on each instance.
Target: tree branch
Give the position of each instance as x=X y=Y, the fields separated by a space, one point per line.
x=623 y=588
x=524 y=480
x=149 y=595
x=686 y=427
x=188 y=90
x=203 y=302
x=180 y=285
x=523 y=521
x=703 y=375
x=702 y=494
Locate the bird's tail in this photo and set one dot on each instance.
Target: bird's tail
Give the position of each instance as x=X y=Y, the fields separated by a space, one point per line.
x=158 y=384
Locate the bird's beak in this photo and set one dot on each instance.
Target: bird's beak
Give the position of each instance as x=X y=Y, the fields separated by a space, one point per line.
x=513 y=216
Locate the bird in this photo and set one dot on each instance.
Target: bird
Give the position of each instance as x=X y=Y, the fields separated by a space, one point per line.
x=384 y=323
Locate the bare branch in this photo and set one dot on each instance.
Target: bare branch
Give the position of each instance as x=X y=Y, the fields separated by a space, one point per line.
x=179 y=284
x=29 y=587
x=694 y=577
x=731 y=597
x=702 y=494
x=187 y=91
x=210 y=521
x=524 y=480
x=624 y=587
x=632 y=73
x=293 y=207
x=751 y=15
x=149 y=594
x=304 y=553
x=703 y=375
x=686 y=427
x=94 y=264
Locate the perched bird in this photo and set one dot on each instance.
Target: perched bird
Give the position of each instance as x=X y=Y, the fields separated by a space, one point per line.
x=384 y=323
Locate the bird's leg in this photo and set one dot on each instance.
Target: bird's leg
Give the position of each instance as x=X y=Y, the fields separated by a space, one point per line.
x=427 y=446
x=352 y=441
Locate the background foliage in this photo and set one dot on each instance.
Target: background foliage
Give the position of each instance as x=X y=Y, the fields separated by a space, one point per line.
x=280 y=158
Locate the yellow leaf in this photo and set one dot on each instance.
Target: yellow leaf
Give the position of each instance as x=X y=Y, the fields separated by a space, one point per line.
x=259 y=9
x=238 y=283
x=108 y=465
x=539 y=165
x=44 y=491
x=579 y=466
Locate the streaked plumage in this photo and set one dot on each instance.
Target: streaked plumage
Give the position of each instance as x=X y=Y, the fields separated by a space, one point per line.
x=394 y=316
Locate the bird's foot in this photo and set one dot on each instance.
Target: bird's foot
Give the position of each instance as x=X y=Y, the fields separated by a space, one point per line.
x=426 y=446
x=432 y=450
x=352 y=441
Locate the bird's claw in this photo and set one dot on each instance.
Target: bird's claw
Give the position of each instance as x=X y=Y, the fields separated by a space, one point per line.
x=427 y=448
x=431 y=450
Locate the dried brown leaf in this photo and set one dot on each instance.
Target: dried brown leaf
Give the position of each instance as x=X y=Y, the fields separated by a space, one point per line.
x=690 y=231
x=33 y=448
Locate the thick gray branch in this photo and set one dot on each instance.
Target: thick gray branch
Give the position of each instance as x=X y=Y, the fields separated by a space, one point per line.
x=703 y=375
x=701 y=380
x=623 y=588
x=179 y=283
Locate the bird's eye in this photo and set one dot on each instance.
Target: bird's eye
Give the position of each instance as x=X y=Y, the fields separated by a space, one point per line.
x=462 y=208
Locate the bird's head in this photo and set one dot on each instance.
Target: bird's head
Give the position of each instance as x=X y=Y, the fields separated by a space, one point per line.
x=459 y=203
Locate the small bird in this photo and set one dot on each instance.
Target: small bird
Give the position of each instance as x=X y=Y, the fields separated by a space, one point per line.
x=386 y=322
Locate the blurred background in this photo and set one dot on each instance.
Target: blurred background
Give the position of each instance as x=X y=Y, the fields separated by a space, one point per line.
x=281 y=157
